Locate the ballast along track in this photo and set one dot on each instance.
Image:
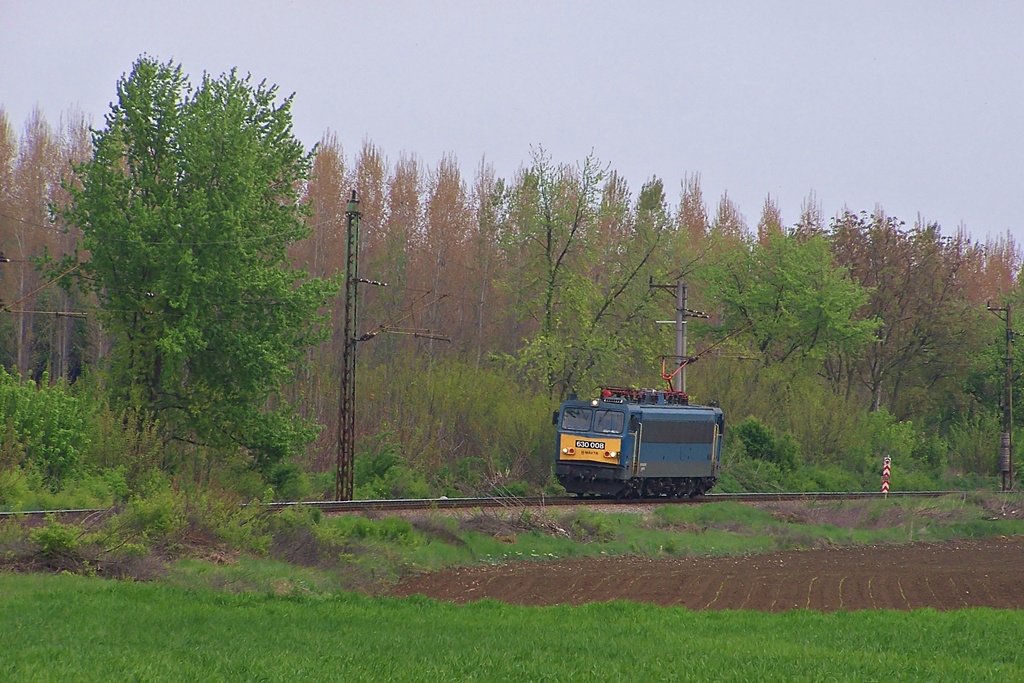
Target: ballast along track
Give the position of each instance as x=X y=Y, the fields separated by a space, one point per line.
x=362 y=506
x=548 y=501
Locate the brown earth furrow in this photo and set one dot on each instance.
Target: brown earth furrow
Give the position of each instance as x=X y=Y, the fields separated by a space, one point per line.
x=700 y=589
x=681 y=587
x=829 y=591
x=1004 y=589
x=857 y=592
x=793 y=594
x=756 y=586
x=988 y=572
x=916 y=590
x=971 y=595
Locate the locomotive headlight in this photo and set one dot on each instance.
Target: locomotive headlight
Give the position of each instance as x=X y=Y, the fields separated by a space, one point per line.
x=565 y=450
x=593 y=402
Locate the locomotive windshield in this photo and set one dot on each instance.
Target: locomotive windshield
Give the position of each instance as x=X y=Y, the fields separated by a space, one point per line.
x=576 y=419
x=609 y=421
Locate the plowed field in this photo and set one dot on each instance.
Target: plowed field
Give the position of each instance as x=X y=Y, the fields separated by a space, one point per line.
x=966 y=573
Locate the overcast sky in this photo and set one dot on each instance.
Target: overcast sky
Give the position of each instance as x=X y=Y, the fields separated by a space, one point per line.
x=916 y=106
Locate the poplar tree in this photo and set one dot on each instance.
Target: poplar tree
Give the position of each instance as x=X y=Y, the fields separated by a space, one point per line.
x=187 y=208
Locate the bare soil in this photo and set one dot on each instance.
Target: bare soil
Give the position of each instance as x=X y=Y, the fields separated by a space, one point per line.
x=945 y=576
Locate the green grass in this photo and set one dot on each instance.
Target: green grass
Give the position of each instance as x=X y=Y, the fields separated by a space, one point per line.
x=84 y=629
x=259 y=618
x=362 y=553
x=725 y=528
x=299 y=549
x=249 y=574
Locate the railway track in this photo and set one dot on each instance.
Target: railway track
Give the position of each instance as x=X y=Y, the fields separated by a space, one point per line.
x=556 y=501
x=513 y=502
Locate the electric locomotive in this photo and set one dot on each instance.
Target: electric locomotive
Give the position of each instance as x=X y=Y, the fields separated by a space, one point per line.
x=635 y=443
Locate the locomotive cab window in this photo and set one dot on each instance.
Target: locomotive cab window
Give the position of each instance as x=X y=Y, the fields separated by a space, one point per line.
x=609 y=421
x=576 y=419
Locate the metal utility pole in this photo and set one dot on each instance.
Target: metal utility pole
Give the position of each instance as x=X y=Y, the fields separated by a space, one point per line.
x=347 y=398
x=682 y=313
x=679 y=381
x=1006 y=438
x=350 y=338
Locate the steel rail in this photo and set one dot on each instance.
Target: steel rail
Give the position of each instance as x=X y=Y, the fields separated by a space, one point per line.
x=514 y=502
x=554 y=501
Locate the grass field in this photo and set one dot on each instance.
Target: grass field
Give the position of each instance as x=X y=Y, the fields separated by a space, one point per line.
x=69 y=628
x=350 y=552
x=253 y=616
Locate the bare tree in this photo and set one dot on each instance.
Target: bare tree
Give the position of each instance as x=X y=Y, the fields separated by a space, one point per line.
x=692 y=215
x=37 y=175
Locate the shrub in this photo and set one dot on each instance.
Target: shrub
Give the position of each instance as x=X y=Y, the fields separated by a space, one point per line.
x=587 y=526
x=116 y=483
x=512 y=489
x=728 y=483
x=218 y=517
x=460 y=423
x=128 y=440
x=158 y=516
x=932 y=452
x=288 y=482
x=554 y=487
x=880 y=434
x=823 y=478
x=46 y=424
x=760 y=443
x=25 y=490
x=294 y=517
x=381 y=472
x=345 y=529
x=756 y=475
x=295 y=538
x=57 y=541
x=971 y=443
x=914 y=481
x=14 y=486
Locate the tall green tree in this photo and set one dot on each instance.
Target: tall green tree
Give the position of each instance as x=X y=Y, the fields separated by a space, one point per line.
x=187 y=207
x=790 y=298
x=580 y=259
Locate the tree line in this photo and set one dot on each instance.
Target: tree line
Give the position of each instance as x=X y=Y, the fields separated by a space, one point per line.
x=183 y=260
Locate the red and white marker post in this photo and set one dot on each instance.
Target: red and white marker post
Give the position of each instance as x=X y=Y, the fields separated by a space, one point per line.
x=886 y=461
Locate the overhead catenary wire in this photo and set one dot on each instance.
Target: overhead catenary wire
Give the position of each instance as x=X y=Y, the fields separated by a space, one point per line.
x=239 y=240
x=44 y=286
x=65 y=314
x=390 y=326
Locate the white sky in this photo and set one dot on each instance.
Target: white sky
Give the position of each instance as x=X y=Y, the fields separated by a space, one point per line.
x=917 y=106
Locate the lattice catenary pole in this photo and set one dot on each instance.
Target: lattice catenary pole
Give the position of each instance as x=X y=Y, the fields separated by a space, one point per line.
x=347 y=398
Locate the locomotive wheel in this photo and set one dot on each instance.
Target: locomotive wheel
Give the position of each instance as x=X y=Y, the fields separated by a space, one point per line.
x=702 y=486
x=633 y=489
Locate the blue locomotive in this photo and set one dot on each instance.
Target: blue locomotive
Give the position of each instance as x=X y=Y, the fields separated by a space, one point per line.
x=637 y=443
